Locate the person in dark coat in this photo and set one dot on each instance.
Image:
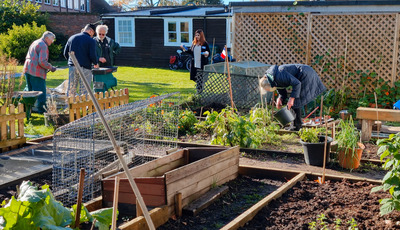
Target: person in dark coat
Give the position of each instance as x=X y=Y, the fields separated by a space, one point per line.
x=200 y=51
x=305 y=82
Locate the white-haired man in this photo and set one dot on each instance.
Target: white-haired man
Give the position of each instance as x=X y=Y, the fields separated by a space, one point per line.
x=36 y=67
x=106 y=47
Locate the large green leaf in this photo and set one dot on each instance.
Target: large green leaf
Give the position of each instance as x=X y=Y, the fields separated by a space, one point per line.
x=103 y=217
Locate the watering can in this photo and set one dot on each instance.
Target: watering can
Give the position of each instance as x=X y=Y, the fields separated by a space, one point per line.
x=284 y=116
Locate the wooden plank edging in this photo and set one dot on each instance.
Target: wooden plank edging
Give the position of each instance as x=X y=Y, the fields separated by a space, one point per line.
x=252 y=211
x=159 y=216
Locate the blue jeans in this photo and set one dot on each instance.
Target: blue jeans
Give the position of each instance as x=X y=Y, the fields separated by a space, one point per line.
x=75 y=82
x=37 y=84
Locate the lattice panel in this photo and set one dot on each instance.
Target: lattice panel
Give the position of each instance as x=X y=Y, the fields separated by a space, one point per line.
x=354 y=43
x=339 y=44
x=270 y=38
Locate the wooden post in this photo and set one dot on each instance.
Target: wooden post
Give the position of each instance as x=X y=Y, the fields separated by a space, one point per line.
x=325 y=145
x=80 y=194
x=395 y=50
x=309 y=37
x=178 y=204
x=229 y=76
x=115 y=204
x=138 y=209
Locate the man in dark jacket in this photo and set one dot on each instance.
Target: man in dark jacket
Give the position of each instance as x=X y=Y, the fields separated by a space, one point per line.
x=106 y=47
x=305 y=82
x=84 y=48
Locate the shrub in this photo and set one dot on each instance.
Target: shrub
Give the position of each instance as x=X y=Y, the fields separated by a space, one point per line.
x=15 y=43
x=19 y=13
x=186 y=123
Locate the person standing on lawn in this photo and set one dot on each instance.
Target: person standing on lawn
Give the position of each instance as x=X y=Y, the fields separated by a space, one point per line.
x=305 y=82
x=84 y=47
x=200 y=51
x=106 y=47
x=36 y=67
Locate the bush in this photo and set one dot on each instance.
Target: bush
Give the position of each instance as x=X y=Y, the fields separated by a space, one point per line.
x=19 y=13
x=15 y=43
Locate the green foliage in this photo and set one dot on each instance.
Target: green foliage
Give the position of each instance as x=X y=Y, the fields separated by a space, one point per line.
x=230 y=129
x=19 y=13
x=15 y=43
x=390 y=149
x=37 y=209
x=309 y=135
x=186 y=123
x=323 y=223
x=348 y=136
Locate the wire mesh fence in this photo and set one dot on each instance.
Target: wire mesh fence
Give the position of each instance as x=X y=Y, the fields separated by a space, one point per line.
x=213 y=90
x=144 y=130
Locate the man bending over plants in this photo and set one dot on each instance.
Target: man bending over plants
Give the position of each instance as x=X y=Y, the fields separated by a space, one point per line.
x=305 y=82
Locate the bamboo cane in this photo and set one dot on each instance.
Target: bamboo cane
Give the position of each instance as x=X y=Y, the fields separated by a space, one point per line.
x=229 y=77
x=115 y=204
x=114 y=143
x=326 y=143
x=80 y=194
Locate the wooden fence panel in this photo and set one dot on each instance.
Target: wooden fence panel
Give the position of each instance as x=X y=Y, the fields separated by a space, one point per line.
x=80 y=106
x=8 y=117
x=340 y=47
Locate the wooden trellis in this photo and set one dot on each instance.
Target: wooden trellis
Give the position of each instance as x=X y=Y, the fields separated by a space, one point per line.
x=8 y=119
x=80 y=106
x=338 y=46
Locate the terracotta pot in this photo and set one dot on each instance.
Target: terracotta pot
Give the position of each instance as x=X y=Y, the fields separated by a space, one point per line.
x=347 y=160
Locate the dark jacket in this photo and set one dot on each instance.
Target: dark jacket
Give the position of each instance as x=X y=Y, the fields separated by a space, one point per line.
x=305 y=82
x=204 y=60
x=85 y=50
x=113 y=48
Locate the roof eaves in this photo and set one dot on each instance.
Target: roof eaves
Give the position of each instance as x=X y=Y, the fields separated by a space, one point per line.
x=174 y=10
x=314 y=3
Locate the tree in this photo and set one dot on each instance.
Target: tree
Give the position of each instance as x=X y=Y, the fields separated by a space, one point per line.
x=19 y=13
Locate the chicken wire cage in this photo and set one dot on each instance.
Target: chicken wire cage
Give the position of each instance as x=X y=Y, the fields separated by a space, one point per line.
x=144 y=130
x=213 y=84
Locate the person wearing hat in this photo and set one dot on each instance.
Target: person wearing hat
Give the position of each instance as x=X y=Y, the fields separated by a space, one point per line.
x=305 y=82
x=84 y=47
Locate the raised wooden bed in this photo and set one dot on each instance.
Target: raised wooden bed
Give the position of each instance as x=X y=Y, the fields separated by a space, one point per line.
x=186 y=174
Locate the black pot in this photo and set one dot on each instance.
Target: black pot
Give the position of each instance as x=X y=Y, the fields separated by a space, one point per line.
x=314 y=152
x=284 y=116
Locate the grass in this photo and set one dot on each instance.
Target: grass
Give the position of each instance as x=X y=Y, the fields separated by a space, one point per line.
x=141 y=83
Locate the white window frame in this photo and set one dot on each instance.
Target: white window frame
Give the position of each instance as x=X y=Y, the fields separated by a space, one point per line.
x=76 y=4
x=63 y=3
x=178 y=28
x=38 y=1
x=47 y=2
x=56 y=2
x=70 y=4
x=87 y=6
x=117 y=38
x=82 y=6
x=229 y=33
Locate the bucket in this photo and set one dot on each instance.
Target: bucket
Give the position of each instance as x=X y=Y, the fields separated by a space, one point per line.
x=284 y=116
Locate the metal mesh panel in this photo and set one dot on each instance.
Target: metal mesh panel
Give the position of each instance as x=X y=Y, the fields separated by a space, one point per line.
x=141 y=129
x=213 y=89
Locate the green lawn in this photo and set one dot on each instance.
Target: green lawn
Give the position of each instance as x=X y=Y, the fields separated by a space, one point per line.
x=141 y=82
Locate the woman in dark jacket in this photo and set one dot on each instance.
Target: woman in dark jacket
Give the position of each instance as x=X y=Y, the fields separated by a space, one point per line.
x=200 y=51
x=305 y=82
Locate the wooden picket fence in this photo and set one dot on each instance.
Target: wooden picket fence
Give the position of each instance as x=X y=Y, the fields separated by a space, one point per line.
x=80 y=106
x=8 y=117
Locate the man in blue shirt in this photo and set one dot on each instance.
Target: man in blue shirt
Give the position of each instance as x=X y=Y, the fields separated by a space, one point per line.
x=84 y=48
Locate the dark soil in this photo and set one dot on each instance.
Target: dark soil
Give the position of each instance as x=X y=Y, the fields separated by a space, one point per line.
x=303 y=204
x=243 y=193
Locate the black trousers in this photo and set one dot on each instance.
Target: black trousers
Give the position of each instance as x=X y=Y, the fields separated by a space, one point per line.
x=297 y=120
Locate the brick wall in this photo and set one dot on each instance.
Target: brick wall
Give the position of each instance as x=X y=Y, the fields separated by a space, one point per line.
x=70 y=23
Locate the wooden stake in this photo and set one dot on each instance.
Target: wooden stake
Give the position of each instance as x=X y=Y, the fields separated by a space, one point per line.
x=229 y=76
x=115 y=204
x=178 y=204
x=80 y=194
x=326 y=143
x=320 y=112
x=138 y=209
x=114 y=142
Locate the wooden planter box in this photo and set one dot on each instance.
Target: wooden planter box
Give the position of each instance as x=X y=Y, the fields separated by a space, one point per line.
x=189 y=172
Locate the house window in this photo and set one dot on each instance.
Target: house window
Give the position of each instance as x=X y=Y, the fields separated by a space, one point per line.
x=70 y=6
x=229 y=32
x=125 y=31
x=88 y=6
x=63 y=3
x=38 y=1
x=177 y=31
x=55 y=2
x=47 y=2
x=83 y=5
x=76 y=4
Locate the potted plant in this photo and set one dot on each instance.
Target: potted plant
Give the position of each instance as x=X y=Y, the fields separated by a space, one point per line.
x=52 y=116
x=313 y=146
x=349 y=147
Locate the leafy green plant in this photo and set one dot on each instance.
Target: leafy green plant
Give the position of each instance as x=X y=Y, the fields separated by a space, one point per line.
x=186 y=123
x=322 y=223
x=309 y=135
x=37 y=209
x=390 y=150
x=15 y=43
x=348 y=136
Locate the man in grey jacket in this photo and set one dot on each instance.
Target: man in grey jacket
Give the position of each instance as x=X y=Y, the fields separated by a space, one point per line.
x=305 y=82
